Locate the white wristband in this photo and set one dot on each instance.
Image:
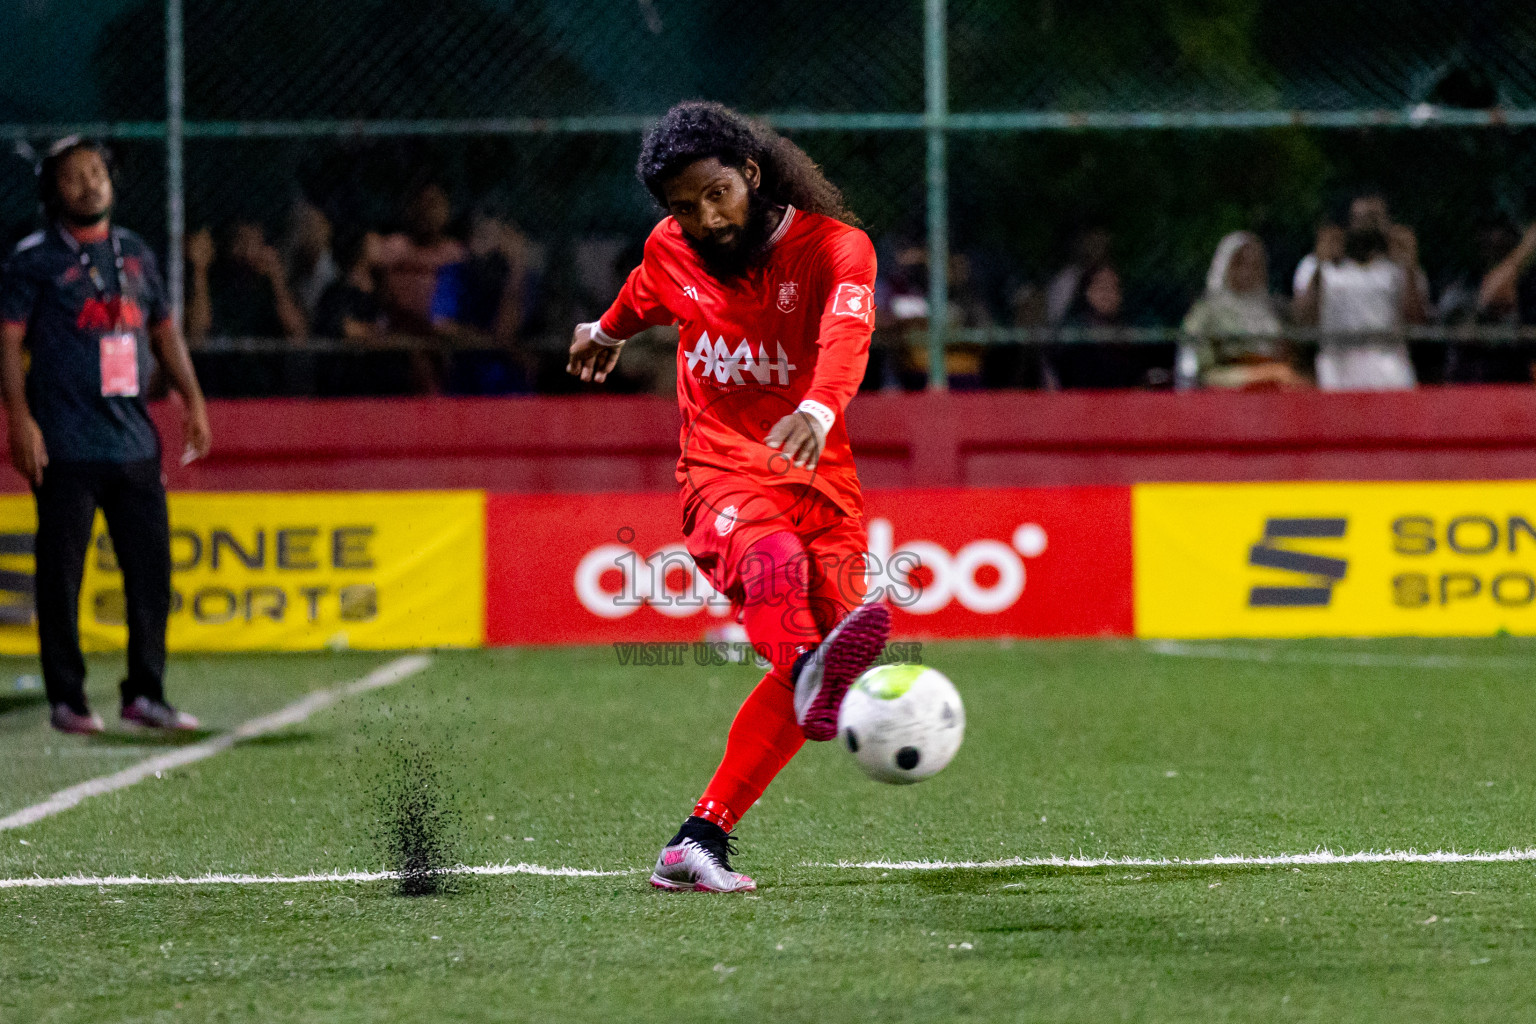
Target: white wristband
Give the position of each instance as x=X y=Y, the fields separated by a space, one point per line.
x=818 y=412
x=596 y=329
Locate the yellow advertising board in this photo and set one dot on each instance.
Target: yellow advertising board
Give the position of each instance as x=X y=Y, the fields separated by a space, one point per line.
x=1334 y=559
x=283 y=572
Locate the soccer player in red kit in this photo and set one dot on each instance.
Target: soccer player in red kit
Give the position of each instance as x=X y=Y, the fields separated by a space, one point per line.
x=772 y=290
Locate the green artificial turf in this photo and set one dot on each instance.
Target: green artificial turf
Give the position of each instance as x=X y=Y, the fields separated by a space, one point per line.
x=566 y=758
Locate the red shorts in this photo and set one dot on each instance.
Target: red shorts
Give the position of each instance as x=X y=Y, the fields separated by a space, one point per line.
x=724 y=517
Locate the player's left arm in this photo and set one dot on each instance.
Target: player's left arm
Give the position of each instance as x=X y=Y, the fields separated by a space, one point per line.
x=171 y=349
x=842 y=344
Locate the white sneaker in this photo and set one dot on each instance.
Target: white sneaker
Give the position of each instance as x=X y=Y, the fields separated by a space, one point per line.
x=62 y=718
x=702 y=865
x=157 y=714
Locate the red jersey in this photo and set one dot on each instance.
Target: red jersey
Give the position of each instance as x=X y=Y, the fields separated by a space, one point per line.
x=793 y=330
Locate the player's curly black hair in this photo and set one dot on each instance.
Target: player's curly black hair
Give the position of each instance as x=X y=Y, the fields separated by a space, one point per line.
x=697 y=130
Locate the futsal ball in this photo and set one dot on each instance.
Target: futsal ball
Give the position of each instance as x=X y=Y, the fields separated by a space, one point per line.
x=902 y=723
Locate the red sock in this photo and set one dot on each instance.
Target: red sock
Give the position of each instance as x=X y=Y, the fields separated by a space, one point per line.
x=762 y=739
x=765 y=734
x=775 y=577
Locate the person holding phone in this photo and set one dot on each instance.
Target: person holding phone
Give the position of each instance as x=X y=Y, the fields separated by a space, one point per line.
x=83 y=300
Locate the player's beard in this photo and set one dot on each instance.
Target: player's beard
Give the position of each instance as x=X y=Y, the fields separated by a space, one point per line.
x=87 y=218
x=747 y=250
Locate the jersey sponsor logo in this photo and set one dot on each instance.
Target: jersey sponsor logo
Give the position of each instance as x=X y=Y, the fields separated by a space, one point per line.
x=789 y=296
x=711 y=357
x=854 y=300
x=99 y=315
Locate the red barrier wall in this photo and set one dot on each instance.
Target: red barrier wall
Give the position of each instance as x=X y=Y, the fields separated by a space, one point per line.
x=611 y=443
x=578 y=568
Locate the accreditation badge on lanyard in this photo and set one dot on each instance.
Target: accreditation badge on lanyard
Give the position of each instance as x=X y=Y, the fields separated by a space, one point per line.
x=119 y=365
x=119 y=348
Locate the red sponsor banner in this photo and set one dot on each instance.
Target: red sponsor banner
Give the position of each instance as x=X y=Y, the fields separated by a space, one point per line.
x=595 y=568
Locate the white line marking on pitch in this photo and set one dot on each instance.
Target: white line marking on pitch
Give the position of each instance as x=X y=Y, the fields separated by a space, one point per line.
x=1228 y=652
x=1318 y=857
x=298 y=711
x=86 y=881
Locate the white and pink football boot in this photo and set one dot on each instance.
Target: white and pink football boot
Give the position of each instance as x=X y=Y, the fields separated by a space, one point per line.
x=822 y=675
x=699 y=859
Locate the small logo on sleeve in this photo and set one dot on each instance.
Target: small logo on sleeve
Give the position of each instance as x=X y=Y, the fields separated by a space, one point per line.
x=854 y=300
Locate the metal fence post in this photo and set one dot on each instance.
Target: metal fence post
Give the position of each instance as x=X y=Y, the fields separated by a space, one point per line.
x=175 y=184
x=936 y=74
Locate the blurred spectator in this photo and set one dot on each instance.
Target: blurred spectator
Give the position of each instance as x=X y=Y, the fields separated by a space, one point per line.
x=1098 y=301
x=967 y=310
x=1090 y=248
x=483 y=297
x=1364 y=281
x=1108 y=360
x=480 y=302
x=307 y=255
x=1026 y=305
x=1013 y=364
x=411 y=260
x=351 y=310
x=242 y=291
x=899 y=355
x=1507 y=293
x=1492 y=293
x=901 y=316
x=600 y=264
x=1234 y=328
x=1461 y=302
x=351 y=306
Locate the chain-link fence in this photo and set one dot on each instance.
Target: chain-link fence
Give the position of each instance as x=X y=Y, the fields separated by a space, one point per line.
x=994 y=140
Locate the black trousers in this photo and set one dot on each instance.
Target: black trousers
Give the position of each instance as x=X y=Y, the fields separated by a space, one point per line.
x=132 y=497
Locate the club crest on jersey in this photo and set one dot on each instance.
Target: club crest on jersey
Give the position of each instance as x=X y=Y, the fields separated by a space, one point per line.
x=789 y=296
x=711 y=357
x=725 y=522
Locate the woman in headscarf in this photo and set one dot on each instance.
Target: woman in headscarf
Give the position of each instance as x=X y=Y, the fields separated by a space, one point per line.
x=1234 y=330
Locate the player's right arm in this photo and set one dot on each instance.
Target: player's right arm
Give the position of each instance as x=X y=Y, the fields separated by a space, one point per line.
x=18 y=294
x=595 y=347
x=28 y=453
x=591 y=359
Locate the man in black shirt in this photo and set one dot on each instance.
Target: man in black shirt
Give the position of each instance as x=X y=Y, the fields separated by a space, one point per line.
x=243 y=293
x=84 y=299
